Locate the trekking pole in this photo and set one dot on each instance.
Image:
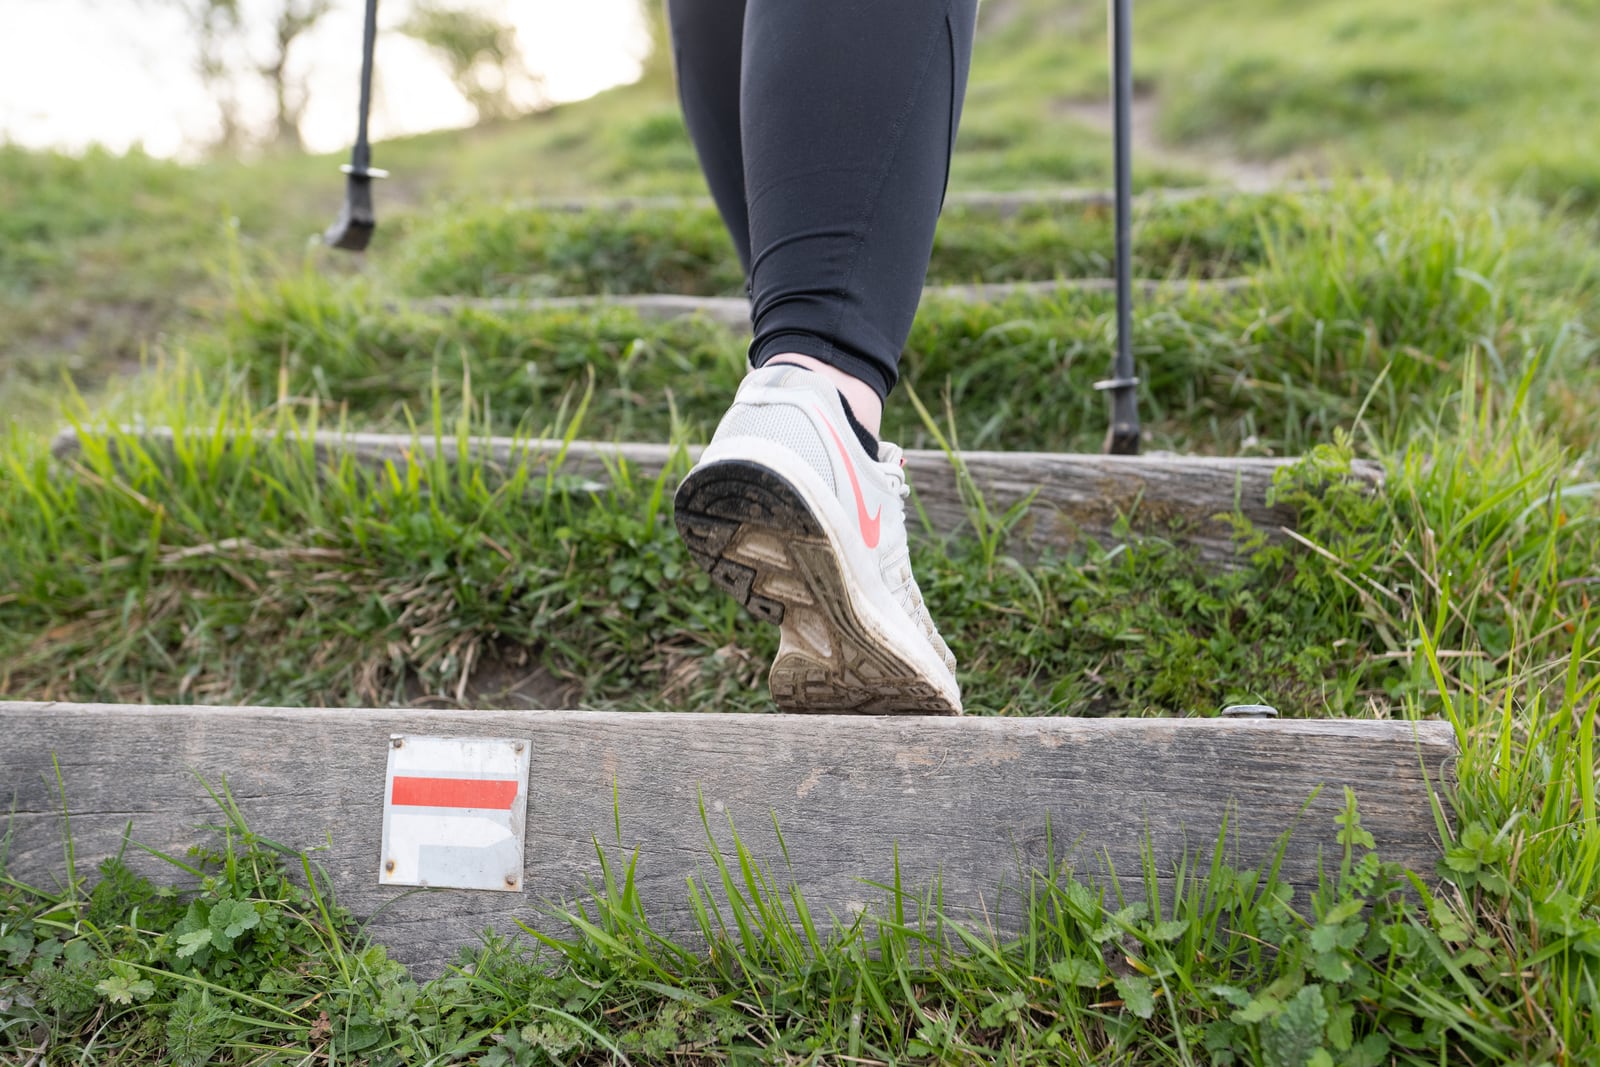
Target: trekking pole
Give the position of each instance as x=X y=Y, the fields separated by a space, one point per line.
x=353 y=229
x=1122 y=436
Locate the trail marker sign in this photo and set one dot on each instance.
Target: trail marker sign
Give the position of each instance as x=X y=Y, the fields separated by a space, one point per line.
x=455 y=812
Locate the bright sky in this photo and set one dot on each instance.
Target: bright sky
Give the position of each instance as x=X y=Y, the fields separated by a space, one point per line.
x=119 y=72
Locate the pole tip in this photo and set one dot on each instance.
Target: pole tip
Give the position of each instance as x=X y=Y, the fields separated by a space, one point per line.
x=1122 y=441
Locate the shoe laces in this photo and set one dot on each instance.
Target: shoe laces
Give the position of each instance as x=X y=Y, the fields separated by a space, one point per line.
x=892 y=459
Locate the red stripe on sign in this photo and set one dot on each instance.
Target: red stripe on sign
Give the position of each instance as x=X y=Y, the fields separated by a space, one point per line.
x=492 y=793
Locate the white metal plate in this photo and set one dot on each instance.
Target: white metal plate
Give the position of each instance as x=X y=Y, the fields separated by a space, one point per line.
x=454 y=812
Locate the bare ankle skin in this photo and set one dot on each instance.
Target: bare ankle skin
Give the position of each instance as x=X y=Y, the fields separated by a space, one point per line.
x=864 y=402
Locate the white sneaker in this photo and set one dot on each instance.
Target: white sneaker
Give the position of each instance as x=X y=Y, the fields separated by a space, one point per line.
x=787 y=512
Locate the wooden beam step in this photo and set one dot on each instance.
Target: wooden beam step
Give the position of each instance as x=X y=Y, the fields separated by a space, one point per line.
x=968 y=804
x=1078 y=496
x=734 y=312
x=1001 y=202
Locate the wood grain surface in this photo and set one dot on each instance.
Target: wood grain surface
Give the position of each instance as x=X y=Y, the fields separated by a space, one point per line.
x=734 y=312
x=1075 y=496
x=968 y=804
x=1000 y=203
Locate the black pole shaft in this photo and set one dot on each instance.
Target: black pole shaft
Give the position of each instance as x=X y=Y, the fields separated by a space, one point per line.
x=1123 y=436
x=361 y=155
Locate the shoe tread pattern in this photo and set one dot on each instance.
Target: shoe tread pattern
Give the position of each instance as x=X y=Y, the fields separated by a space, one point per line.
x=731 y=514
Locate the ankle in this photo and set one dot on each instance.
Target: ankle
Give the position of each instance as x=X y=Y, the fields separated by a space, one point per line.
x=864 y=402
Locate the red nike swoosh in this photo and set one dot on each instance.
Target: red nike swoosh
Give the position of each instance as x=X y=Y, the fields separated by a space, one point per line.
x=869 y=523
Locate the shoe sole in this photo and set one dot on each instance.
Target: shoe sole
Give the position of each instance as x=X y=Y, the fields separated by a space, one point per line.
x=751 y=530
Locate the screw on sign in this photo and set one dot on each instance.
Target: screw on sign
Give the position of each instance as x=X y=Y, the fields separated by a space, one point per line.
x=454 y=813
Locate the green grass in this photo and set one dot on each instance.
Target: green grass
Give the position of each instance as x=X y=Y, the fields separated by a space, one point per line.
x=474 y=249
x=1501 y=93
x=102 y=255
x=106 y=255
x=1492 y=959
x=1444 y=327
x=67 y=233
x=1403 y=318
x=242 y=570
x=1365 y=299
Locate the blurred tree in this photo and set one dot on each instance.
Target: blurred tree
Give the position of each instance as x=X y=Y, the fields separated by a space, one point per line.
x=216 y=24
x=658 y=60
x=295 y=18
x=481 y=53
x=223 y=48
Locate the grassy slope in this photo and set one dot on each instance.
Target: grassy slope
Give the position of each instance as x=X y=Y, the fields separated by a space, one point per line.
x=1459 y=327
x=1443 y=85
x=1399 y=334
x=1502 y=92
x=102 y=254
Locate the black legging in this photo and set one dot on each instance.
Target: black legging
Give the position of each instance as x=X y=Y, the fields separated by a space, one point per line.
x=824 y=128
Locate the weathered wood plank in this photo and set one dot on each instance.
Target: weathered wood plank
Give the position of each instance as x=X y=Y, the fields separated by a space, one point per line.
x=1078 y=495
x=1002 y=203
x=734 y=312
x=730 y=311
x=968 y=803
